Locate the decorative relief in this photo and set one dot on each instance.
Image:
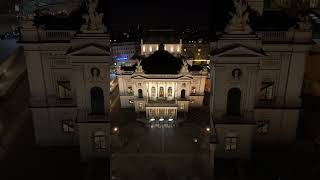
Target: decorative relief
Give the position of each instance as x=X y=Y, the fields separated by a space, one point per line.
x=236 y=73
x=95 y=74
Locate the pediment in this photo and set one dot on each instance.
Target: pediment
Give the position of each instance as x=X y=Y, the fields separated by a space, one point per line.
x=185 y=78
x=89 y=50
x=238 y=50
x=138 y=77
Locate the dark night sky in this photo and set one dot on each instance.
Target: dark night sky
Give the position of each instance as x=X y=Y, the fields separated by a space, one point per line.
x=197 y=12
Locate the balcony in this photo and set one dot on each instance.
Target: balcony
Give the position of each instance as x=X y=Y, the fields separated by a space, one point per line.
x=285 y=36
x=56 y=35
x=161 y=102
x=84 y=116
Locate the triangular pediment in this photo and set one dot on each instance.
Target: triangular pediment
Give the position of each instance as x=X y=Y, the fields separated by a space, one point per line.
x=238 y=50
x=89 y=50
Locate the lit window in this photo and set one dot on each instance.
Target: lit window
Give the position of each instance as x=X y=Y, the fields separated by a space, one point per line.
x=171 y=112
x=67 y=126
x=171 y=48
x=193 y=90
x=64 y=89
x=199 y=50
x=161 y=112
x=161 y=92
x=100 y=141
x=152 y=113
x=263 y=126
x=231 y=143
x=169 y=91
x=144 y=48
x=153 y=91
x=150 y=49
x=178 y=49
x=266 y=90
x=182 y=106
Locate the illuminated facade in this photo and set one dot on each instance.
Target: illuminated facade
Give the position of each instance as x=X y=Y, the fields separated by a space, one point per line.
x=159 y=96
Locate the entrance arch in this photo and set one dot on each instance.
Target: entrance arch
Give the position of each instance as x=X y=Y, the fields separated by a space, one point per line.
x=97 y=101
x=183 y=93
x=233 y=102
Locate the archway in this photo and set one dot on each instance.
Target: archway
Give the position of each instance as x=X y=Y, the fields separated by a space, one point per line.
x=140 y=95
x=233 y=102
x=97 y=101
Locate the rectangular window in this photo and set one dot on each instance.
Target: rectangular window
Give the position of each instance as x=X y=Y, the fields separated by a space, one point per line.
x=161 y=112
x=64 y=90
x=67 y=126
x=153 y=91
x=169 y=91
x=171 y=113
x=266 y=91
x=193 y=90
x=182 y=106
x=100 y=142
x=263 y=126
x=140 y=106
x=161 y=92
x=231 y=143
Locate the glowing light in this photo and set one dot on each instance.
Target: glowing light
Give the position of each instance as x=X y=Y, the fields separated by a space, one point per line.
x=150 y=49
x=115 y=129
x=195 y=140
x=170 y=119
x=161 y=119
x=152 y=119
x=207 y=129
x=178 y=49
x=171 y=48
x=144 y=49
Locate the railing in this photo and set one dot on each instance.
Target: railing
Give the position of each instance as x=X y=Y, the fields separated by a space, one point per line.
x=285 y=36
x=84 y=116
x=56 y=35
x=161 y=102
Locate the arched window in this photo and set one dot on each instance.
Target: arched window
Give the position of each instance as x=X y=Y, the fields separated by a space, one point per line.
x=233 y=102
x=97 y=101
x=140 y=95
x=183 y=93
x=161 y=92
x=153 y=91
x=169 y=91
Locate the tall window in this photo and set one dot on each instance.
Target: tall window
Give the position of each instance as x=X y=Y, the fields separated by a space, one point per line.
x=67 y=126
x=233 y=102
x=171 y=113
x=64 y=89
x=161 y=112
x=152 y=113
x=263 y=127
x=169 y=91
x=100 y=141
x=266 y=90
x=161 y=92
x=183 y=93
x=140 y=106
x=153 y=91
x=231 y=143
x=140 y=93
x=97 y=101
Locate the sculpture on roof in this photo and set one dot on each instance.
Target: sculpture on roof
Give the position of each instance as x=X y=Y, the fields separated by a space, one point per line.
x=184 y=67
x=239 y=22
x=139 y=67
x=304 y=23
x=93 y=20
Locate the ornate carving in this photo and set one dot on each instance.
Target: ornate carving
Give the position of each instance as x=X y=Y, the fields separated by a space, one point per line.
x=236 y=73
x=95 y=74
x=93 y=20
x=239 y=22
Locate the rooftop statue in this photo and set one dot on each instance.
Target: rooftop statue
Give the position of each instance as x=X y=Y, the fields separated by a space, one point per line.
x=239 y=22
x=139 y=66
x=184 y=67
x=93 y=20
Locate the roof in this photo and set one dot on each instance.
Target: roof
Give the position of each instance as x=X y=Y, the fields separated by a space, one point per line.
x=161 y=62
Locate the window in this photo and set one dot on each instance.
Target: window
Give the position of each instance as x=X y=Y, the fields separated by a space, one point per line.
x=161 y=112
x=152 y=113
x=233 y=102
x=263 y=126
x=193 y=90
x=182 y=106
x=100 y=141
x=140 y=105
x=64 y=89
x=67 y=126
x=140 y=94
x=231 y=143
x=169 y=91
x=161 y=92
x=183 y=93
x=153 y=91
x=171 y=113
x=266 y=90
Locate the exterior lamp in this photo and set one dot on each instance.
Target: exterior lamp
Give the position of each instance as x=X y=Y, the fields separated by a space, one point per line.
x=152 y=119
x=170 y=119
x=161 y=119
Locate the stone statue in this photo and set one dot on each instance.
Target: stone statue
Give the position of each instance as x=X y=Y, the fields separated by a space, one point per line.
x=139 y=67
x=93 y=20
x=184 y=67
x=304 y=23
x=239 y=22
